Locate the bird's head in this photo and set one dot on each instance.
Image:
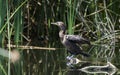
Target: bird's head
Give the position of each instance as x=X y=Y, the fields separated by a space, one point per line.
x=60 y=24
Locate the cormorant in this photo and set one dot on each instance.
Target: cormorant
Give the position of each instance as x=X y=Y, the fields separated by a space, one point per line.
x=71 y=41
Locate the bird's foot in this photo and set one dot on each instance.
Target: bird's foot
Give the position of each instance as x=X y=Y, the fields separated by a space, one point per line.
x=72 y=61
x=69 y=57
x=69 y=64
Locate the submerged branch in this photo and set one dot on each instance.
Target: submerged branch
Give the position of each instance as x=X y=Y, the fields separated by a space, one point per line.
x=31 y=47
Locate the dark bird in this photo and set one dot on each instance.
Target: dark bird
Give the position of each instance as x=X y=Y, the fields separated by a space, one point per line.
x=71 y=41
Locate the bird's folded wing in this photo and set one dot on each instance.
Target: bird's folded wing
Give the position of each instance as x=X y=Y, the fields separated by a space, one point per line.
x=77 y=39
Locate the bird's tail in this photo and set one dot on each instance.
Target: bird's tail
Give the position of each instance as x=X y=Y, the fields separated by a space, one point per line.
x=85 y=41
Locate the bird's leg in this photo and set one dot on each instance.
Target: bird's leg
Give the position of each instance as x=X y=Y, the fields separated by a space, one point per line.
x=69 y=64
x=69 y=57
x=72 y=61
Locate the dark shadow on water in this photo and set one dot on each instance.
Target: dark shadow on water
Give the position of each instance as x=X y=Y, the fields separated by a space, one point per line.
x=75 y=72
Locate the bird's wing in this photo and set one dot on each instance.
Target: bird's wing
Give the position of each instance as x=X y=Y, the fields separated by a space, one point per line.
x=77 y=39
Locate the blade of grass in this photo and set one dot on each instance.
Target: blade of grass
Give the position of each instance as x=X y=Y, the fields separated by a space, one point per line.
x=18 y=23
x=2 y=17
x=8 y=30
x=3 y=69
x=12 y=15
x=71 y=15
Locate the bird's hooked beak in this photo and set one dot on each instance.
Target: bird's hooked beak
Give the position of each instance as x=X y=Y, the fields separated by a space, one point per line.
x=54 y=23
x=60 y=25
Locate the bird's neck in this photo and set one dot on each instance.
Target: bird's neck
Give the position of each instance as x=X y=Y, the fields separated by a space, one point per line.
x=61 y=34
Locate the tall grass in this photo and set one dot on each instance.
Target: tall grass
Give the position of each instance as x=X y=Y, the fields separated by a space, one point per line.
x=27 y=22
x=2 y=18
x=7 y=27
x=18 y=24
x=8 y=31
x=71 y=14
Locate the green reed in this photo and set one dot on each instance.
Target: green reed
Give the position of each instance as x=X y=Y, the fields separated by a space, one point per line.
x=31 y=23
x=2 y=17
x=71 y=14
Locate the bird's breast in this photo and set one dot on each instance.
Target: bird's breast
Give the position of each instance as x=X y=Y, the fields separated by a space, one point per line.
x=66 y=42
x=69 y=44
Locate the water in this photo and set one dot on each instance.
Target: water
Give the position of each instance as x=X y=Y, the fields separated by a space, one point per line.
x=104 y=60
x=54 y=62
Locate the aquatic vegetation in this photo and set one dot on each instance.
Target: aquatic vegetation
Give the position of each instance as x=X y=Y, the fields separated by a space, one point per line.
x=25 y=26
